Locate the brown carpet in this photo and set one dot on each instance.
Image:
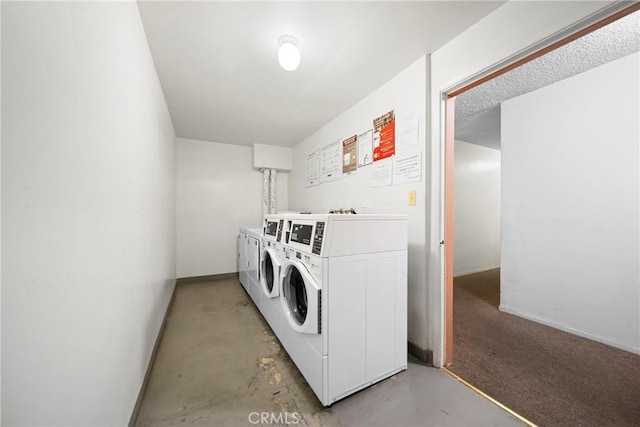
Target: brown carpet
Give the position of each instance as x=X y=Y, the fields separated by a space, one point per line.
x=548 y=376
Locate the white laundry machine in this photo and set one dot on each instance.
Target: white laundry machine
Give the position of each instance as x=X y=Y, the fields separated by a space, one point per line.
x=271 y=257
x=344 y=299
x=249 y=251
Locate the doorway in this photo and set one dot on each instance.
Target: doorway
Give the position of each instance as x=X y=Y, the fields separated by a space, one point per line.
x=450 y=134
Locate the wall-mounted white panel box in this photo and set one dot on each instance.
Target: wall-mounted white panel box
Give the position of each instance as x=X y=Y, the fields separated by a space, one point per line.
x=272 y=157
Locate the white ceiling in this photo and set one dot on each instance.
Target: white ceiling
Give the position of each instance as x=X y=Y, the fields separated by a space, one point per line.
x=478 y=110
x=222 y=82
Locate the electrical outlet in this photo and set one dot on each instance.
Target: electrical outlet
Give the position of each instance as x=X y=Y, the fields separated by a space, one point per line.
x=412 y=197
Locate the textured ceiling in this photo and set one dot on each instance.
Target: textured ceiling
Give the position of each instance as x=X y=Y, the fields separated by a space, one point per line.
x=222 y=82
x=478 y=109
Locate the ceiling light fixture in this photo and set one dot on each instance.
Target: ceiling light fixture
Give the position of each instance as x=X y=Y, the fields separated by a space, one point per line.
x=288 y=53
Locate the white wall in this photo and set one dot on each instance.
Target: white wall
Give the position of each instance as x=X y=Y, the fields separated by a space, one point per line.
x=0 y=216
x=477 y=208
x=217 y=193
x=88 y=212
x=571 y=205
x=504 y=35
x=404 y=93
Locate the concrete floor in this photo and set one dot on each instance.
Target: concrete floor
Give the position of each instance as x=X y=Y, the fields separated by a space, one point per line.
x=219 y=364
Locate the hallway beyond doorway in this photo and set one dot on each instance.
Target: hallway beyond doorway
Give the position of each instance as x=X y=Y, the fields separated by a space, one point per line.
x=551 y=377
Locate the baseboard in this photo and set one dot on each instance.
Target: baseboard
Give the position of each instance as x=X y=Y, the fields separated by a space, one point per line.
x=209 y=278
x=423 y=355
x=567 y=329
x=474 y=270
x=143 y=388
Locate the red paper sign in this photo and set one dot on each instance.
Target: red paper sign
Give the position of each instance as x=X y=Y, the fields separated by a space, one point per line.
x=387 y=143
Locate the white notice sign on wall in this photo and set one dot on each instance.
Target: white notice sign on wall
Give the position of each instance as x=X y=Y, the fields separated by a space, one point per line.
x=382 y=173
x=407 y=127
x=312 y=166
x=365 y=148
x=331 y=162
x=407 y=168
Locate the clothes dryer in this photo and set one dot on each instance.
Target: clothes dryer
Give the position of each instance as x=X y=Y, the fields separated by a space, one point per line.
x=344 y=299
x=249 y=252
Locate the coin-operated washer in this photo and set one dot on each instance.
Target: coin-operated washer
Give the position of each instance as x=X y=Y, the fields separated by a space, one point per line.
x=344 y=300
x=271 y=259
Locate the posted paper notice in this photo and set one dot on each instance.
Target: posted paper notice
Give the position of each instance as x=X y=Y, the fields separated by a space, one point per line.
x=365 y=148
x=382 y=173
x=312 y=166
x=407 y=130
x=407 y=168
x=349 y=154
x=331 y=162
x=384 y=136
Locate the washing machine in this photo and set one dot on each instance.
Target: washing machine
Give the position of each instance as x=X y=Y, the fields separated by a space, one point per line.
x=271 y=257
x=343 y=297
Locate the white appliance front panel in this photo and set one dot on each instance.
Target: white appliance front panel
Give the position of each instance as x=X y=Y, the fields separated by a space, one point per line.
x=302 y=348
x=367 y=330
x=243 y=264
x=253 y=258
x=270 y=309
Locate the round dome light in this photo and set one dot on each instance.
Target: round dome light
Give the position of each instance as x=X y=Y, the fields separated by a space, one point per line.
x=288 y=54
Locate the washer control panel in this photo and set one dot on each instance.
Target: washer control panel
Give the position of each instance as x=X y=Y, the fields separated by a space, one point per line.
x=317 y=238
x=279 y=237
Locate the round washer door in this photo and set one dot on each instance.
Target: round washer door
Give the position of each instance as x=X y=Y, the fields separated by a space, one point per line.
x=269 y=273
x=301 y=298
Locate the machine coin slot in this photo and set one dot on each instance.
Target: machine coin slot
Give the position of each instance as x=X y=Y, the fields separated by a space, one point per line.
x=317 y=238
x=280 y=224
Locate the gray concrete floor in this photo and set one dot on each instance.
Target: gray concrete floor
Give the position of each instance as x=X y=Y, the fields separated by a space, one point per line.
x=219 y=364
